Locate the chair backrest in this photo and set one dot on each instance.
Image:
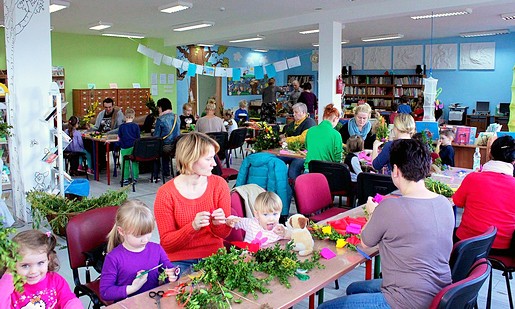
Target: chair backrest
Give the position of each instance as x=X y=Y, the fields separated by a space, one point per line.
x=217 y=170
x=237 y=209
x=147 y=149
x=370 y=184
x=463 y=294
x=467 y=251
x=337 y=174
x=221 y=138
x=312 y=193
x=87 y=231
x=237 y=138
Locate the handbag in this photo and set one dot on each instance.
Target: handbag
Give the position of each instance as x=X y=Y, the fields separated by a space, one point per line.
x=96 y=256
x=173 y=127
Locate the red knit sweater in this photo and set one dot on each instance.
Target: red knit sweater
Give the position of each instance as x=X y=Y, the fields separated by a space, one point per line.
x=175 y=213
x=487 y=199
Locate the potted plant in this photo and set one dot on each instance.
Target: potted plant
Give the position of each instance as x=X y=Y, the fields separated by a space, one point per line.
x=58 y=210
x=9 y=255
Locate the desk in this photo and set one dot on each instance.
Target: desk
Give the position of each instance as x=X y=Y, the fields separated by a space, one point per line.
x=502 y=120
x=452 y=176
x=345 y=261
x=107 y=140
x=464 y=155
x=481 y=122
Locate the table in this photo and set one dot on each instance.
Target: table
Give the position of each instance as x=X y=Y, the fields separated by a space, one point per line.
x=107 y=140
x=464 y=154
x=345 y=261
x=286 y=153
x=453 y=176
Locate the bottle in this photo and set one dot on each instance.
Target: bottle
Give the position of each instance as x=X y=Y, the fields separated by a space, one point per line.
x=477 y=160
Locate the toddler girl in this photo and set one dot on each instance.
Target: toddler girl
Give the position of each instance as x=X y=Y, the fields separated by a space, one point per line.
x=43 y=287
x=264 y=228
x=76 y=146
x=354 y=146
x=131 y=255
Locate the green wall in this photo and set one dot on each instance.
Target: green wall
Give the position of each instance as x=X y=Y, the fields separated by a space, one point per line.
x=102 y=60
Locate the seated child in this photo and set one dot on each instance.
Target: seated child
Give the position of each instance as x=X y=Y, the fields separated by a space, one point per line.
x=127 y=135
x=444 y=147
x=404 y=107
x=187 y=118
x=241 y=114
x=418 y=112
x=76 y=147
x=394 y=113
x=43 y=287
x=264 y=228
x=354 y=146
x=229 y=123
x=130 y=254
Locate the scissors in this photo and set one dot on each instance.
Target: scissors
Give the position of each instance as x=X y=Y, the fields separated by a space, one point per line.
x=157 y=296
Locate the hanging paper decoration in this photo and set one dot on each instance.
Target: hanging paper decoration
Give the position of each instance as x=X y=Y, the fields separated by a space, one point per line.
x=157 y=58
x=236 y=73
x=293 y=62
x=259 y=73
x=177 y=63
x=209 y=71
x=185 y=65
x=200 y=69
x=280 y=66
x=167 y=60
x=270 y=70
x=192 y=69
x=220 y=72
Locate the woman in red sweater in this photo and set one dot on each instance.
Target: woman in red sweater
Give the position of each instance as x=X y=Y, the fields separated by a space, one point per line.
x=487 y=196
x=190 y=209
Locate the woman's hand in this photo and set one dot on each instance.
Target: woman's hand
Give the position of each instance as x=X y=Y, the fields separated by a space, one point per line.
x=201 y=219
x=377 y=144
x=370 y=205
x=218 y=216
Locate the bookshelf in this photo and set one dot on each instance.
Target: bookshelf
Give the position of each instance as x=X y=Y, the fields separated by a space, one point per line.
x=382 y=90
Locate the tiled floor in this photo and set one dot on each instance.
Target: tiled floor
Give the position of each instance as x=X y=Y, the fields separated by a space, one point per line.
x=145 y=191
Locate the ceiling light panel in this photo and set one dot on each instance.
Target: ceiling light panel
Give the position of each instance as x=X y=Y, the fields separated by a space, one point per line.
x=484 y=33
x=383 y=37
x=176 y=6
x=124 y=35
x=309 y=31
x=193 y=25
x=447 y=14
x=257 y=38
x=509 y=16
x=100 y=26
x=57 y=5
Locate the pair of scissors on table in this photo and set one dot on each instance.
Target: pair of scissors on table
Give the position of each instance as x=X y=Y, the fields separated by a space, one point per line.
x=157 y=296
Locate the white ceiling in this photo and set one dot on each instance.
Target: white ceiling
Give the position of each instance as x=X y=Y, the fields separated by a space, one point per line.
x=280 y=20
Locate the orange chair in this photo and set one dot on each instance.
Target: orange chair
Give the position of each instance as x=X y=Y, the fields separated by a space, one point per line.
x=84 y=233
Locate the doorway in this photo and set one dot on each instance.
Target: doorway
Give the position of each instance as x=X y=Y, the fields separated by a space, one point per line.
x=206 y=88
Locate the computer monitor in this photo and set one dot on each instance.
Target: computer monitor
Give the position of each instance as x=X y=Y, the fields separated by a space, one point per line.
x=482 y=107
x=504 y=108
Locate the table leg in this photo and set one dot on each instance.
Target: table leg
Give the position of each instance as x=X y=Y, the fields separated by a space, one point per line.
x=96 y=163
x=312 y=301
x=368 y=270
x=107 y=165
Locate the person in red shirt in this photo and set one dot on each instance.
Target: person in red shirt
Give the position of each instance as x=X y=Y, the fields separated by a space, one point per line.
x=487 y=197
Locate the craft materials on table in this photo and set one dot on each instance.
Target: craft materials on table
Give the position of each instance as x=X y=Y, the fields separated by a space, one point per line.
x=147 y=271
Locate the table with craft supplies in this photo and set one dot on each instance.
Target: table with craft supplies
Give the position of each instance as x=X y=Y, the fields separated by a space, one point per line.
x=287 y=153
x=97 y=140
x=344 y=261
x=452 y=176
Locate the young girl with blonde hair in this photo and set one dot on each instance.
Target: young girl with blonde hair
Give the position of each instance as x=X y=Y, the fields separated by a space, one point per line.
x=43 y=287
x=131 y=254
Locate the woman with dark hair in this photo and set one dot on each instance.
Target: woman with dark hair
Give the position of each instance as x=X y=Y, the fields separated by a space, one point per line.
x=309 y=98
x=168 y=128
x=487 y=197
x=413 y=232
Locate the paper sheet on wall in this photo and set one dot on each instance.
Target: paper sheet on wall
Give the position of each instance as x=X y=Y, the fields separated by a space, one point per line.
x=153 y=90
x=293 y=62
x=162 y=79
x=153 y=79
x=113 y=85
x=136 y=85
x=171 y=79
x=280 y=66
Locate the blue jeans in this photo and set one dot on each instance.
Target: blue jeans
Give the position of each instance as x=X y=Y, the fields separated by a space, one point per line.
x=295 y=166
x=361 y=294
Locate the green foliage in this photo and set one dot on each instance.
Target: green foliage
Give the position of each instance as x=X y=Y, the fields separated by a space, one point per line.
x=5 y=129
x=151 y=105
x=381 y=129
x=296 y=146
x=9 y=256
x=267 y=138
x=44 y=203
x=438 y=187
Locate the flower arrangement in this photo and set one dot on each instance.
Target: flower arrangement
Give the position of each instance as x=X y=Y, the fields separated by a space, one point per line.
x=267 y=138
x=381 y=129
x=91 y=112
x=151 y=105
x=343 y=239
x=296 y=146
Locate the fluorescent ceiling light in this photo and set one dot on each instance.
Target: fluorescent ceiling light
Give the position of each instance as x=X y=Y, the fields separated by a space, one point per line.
x=57 y=5
x=343 y=42
x=176 y=6
x=383 y=37
x=206 y=45
x=448 y=14
x=260 y=50
x=509 y=16
x=100 y=26
x=484 y=33
x=309 y=31
x=194 y=25
x=257 y=38
x=124 y=35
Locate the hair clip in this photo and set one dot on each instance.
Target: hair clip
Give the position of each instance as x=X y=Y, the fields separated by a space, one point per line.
x=48 y=234
x=502 y=147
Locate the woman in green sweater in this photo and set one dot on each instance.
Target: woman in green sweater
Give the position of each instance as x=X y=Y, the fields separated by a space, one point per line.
x=323 y=142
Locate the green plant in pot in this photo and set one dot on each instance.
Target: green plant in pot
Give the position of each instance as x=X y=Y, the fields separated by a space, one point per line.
x=58 y=210
x=9 y=255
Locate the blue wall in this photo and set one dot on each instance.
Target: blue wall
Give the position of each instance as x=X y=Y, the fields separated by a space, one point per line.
x=463 y=86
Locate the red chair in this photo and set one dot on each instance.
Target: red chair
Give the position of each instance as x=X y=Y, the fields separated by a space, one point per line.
x=463 y=294
x=237 y=209
x=313 y=197
x=506 y=264
x=467 y=251
x=85 y=232
x=226 y=173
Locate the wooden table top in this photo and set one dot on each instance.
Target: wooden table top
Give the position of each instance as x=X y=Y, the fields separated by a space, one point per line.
x=281 y=297
x=453 y=176
x=287 y=153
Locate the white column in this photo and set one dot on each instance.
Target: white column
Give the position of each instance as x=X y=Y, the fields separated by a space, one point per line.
x=29 y=73
x=329 y=65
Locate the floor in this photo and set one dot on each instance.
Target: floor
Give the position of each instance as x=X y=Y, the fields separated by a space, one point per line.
x=145 y=191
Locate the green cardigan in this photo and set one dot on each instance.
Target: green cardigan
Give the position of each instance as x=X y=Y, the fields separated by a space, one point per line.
x=324 y=143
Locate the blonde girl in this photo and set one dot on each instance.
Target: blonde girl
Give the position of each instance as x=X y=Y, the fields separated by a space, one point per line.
x=131 y=254
x=43 y=287
x=229 y=122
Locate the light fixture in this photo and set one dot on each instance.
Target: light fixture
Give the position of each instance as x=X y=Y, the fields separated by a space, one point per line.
x=57 y=5
x=259 y=50
x=100 y=26
x=194 y=25
x=205 y=45
x=176 y=6
x=383 y=37
x=124 y=35
x=447 y=14
x=309 y=31
x=509 y=16
x=484 y=33
x=256 y=38
x=343 y=42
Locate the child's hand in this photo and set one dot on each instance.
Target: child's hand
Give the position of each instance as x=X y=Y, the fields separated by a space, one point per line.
x=201 y=220
x=376 y=144
x=370 y=205
x=173 y=273
x=280 y=230
x=218 y=216
x=137 y=283
x=232 y=220
x=438 y=143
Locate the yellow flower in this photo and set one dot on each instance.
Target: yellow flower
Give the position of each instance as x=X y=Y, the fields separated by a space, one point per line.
x=327 y=229
x=340 y=243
